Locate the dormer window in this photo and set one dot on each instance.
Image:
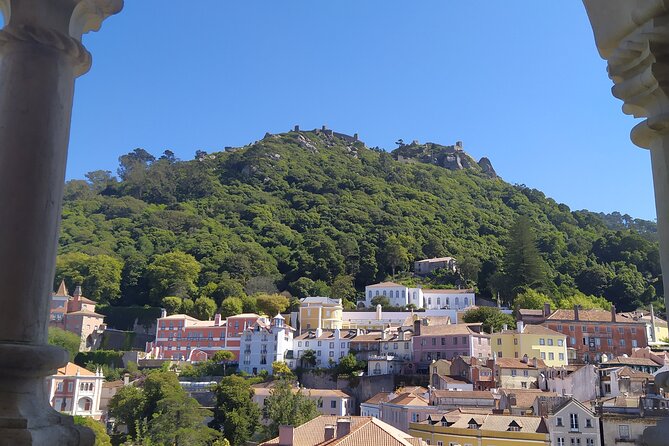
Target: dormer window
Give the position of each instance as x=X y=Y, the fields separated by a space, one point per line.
x=514 y=426
x=473 y=424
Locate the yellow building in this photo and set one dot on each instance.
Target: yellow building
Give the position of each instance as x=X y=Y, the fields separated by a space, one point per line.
x=459 y=427
x=320 y=312
x=531 y=341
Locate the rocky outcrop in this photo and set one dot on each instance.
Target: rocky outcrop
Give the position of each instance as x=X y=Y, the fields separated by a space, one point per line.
x=486 y=167
x=449 y=157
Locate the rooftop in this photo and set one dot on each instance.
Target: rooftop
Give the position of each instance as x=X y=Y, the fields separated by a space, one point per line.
x=384 y=285
x=632 y=361
x=367 y=431
x=449 y=291
x=72 y=369
x=437 y=259
x=452 y=329
x=466 y=394
x=460 y=418
x=535 y=330
x=588 y=316
x=515 y=363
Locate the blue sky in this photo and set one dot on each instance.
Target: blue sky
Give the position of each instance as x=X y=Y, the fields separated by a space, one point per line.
x=517 y=81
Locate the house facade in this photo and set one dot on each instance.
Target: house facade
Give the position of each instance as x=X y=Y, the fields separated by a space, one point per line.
x=524 y=373
x=320 y=312
x=327 y=345
x=181 y=337
x=426 y=266
x=328 y=401
x=401 y=296
x=593 y=333
x=533 y=341
x=76 y=391
x=75 y=314
x=448 y=341
x=572 y=423
x=264 y=342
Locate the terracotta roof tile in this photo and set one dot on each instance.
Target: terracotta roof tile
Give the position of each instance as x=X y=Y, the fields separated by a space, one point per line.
x=514 y=363
x=384 y=285
x=72 y=369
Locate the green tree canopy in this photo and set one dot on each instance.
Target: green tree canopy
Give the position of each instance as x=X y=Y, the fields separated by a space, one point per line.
x=99 y=275
x=491 y=317
x=285 y=407
x=231 y=307
x=272 y=304
x=235 y=413
x=173 y=274
x=65 y=339
x=101 y=436
x=204 y=308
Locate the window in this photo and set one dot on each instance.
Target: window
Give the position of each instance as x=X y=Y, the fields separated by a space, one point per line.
x=571 y=328
x=634 y=343
x=572 y=340
x=443 y=341
x=609 y=342
x=608 y=329
x=559 y=327
x=622 y=342
x=560 y=343
x=542 y=341
x=621 y=330
x=597 y=329
x=551 y=356
x=464 y=340
x=550 y=341
x=499 y=354
x=573 y=421
x=333 y=404
x=70 y=386
x=526 y=373
x=513 y=372
x=560 y=441
x=561 y=356
x=59 y=386
x=440 y=443
x=588 y=422
x=320 y=402
x=633 y=330
x=320 y=343
x=395 y=346
x=523 y=384
x=499 y=341
x=558 y=421
x=584 y=328
x=318 y=353
x=299 y=343
x=515 y=341
x=624 y=432
x=343 y=345
x=331 y=354
x=306 y=343
x=590 y=441
x=543 y=355
x=455 y=340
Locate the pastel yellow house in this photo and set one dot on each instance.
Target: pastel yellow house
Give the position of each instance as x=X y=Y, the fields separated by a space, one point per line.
x=461 y=428
x=531 y=341
x=320 y=312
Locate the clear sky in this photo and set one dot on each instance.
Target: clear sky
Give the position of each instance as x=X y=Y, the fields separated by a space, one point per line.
x=517 y=81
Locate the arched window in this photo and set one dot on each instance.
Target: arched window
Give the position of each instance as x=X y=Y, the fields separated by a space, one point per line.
x=369 y=294
x=466 y=301
x=384 y=293
x=457 y=301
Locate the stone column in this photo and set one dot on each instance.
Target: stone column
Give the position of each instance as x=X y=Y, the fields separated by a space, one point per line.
x=633 y=37
x=40 y=56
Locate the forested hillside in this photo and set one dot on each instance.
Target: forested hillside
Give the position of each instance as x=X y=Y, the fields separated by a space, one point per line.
x=314 y=213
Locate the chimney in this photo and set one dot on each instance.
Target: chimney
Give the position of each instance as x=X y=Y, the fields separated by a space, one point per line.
x=319 y=332
x=520 y=326
x=524 y=360
x=534 y=362
x=77 y=292
x=286 y=435
x=653 y=336
x=343 y=427
x=547 y=309
x=329 y=432
x=575 y=312
x=217 y=319
x=163 y=312
x=505 y=327
x=416 y=327
x=613 y=313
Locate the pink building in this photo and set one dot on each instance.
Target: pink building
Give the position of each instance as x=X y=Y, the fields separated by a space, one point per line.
x=77 y=314
x=448 y=341
x=182 y=337
x=75 y=391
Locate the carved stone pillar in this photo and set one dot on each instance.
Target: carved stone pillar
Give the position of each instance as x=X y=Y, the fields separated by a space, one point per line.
x=40 y=56
x=633 y=37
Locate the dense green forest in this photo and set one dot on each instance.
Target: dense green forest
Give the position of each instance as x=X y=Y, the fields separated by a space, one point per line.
x=316 y=213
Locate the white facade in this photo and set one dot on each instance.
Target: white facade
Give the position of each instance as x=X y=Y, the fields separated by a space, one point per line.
x=400 y=296
x=573 y=424
x=581 y=384
x=263 y=343
x=384 y=365
x=326 y=344
x=76 y=391
x=450 y=299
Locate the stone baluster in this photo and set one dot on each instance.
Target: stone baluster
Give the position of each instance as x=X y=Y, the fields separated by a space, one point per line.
x=633 y=37
x=40 y=56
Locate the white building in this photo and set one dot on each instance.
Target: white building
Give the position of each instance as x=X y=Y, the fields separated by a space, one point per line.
x=265 y=342
x=327 y=345
x=401 y=296
x=572 y=423
x=76 y=391
x=328 y=401
x=579 y=382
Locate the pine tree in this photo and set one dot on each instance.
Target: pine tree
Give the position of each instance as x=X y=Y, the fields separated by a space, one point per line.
x=523 y=265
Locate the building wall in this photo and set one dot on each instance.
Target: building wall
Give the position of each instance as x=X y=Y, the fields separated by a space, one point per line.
x=583 y=384
x=325 y=349
x=614 y=428
x=478 y=437
x=401 y=416
x=325 y=315
x=552 y=349
x=435 y=299
x=260 y=348
x=518 y=378
x=592 y=339
x=69 y=394
x=559 y=426
x=427 y=348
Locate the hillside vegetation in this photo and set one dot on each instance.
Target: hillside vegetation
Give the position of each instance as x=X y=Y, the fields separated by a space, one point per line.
x=315 y=213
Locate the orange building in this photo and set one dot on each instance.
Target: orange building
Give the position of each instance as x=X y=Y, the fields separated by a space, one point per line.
x=76 y=314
